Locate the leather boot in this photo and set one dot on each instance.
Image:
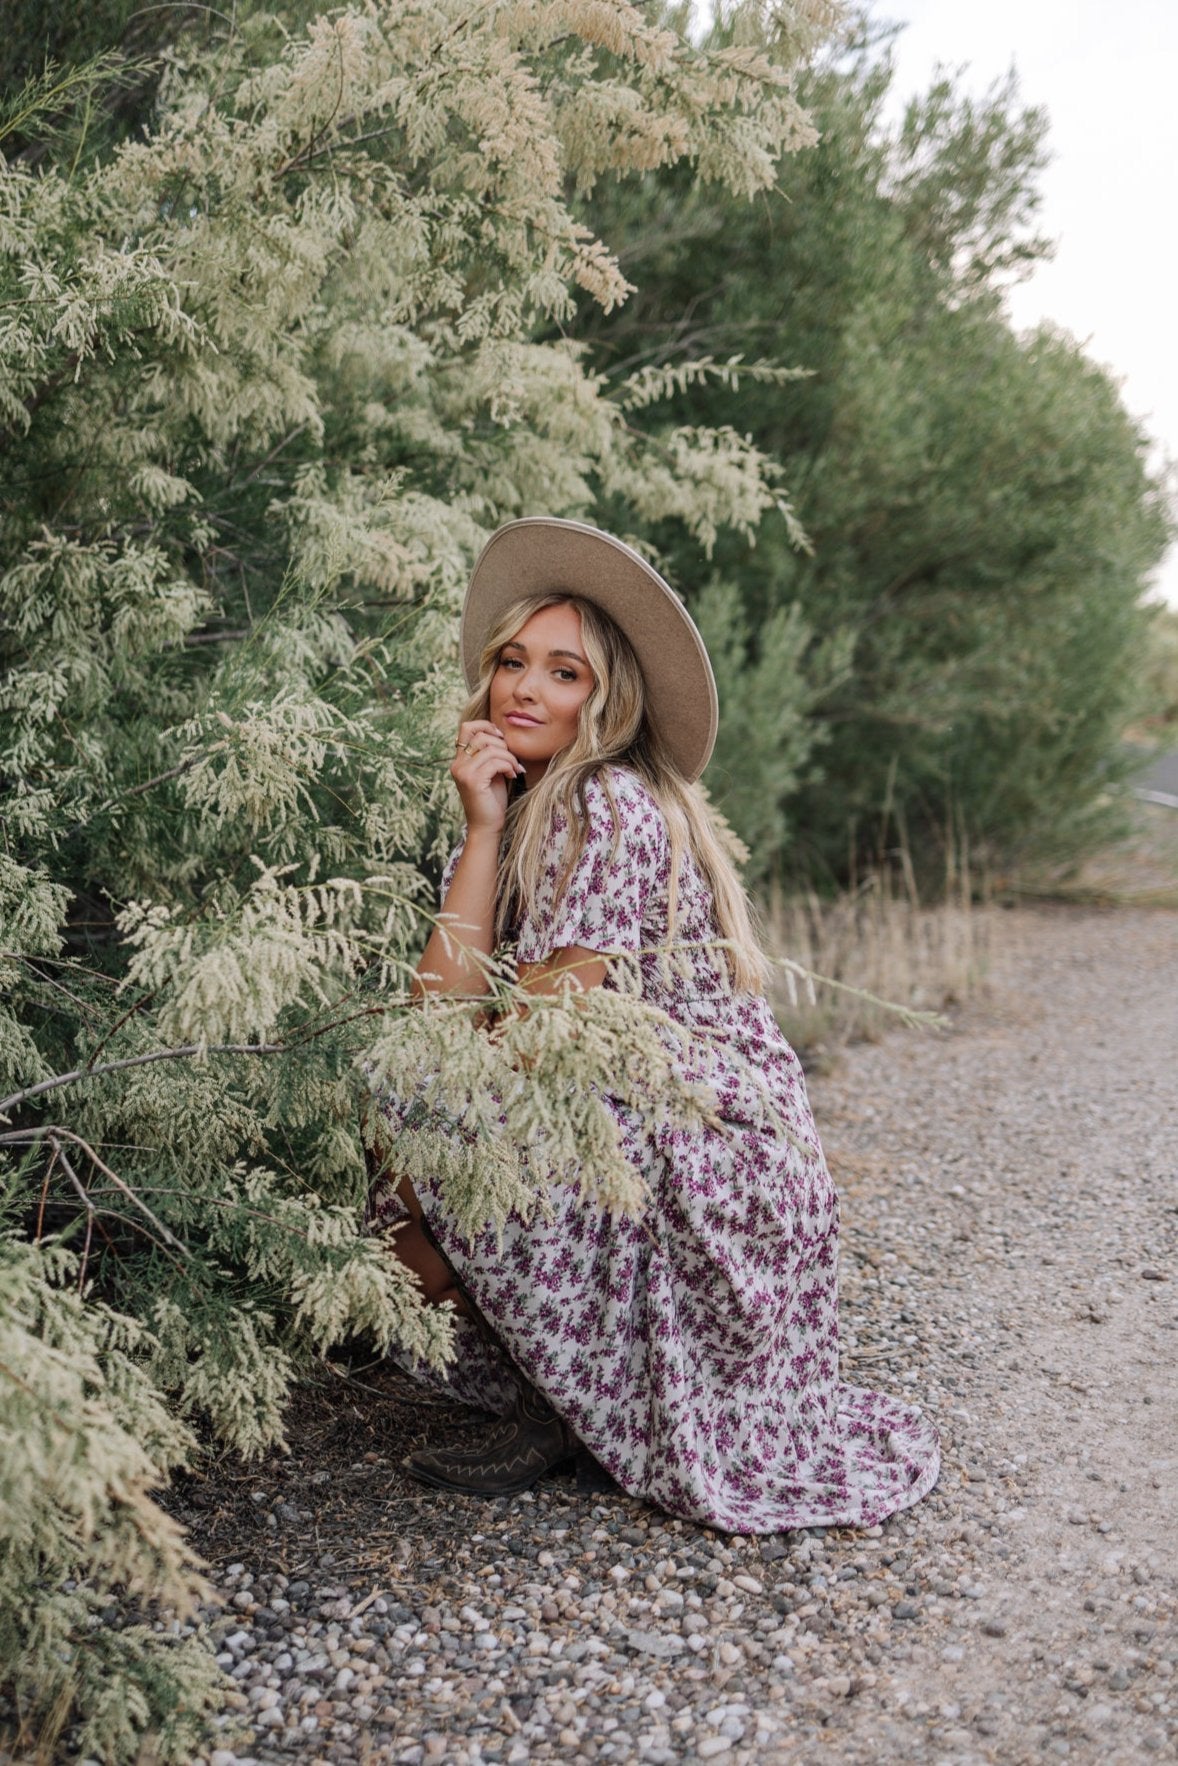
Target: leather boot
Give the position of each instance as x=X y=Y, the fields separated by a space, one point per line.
x=529 y=1441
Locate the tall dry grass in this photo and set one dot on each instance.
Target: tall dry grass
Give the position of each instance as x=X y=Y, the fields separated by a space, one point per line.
x=849 y=966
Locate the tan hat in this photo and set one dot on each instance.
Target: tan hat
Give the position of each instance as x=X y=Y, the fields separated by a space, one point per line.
x=542 y=555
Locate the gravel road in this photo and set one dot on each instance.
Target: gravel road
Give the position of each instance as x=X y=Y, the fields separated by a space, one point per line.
x=1161 y=774
x=1010 y=1227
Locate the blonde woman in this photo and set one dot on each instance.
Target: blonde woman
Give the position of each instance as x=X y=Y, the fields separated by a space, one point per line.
x=692 y=1354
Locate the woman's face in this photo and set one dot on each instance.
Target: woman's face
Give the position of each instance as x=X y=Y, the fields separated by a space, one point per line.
x=539 y=686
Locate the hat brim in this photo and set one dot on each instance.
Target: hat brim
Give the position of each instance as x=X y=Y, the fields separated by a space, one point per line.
x=542 y=555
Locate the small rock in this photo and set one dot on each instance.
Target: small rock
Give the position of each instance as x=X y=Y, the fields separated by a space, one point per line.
x=712 y=1745
x=654 y=1643
x=1150 y=1274
x=994 y=1627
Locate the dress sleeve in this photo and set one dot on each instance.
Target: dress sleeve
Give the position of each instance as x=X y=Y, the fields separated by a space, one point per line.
x=606 y=898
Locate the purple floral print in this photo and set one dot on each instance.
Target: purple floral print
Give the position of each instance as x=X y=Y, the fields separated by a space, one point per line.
x=695 y=1352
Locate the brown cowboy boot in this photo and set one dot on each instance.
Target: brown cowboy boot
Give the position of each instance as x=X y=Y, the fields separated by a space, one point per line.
x=529 y=1441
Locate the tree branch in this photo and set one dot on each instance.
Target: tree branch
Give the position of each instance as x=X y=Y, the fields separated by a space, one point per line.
x=54 y=1133
x=185 y=766
x=180 y=1054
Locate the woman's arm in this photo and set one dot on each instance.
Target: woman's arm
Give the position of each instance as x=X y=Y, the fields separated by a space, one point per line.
x=481 y=769
x=449 y=962
x=584 y=968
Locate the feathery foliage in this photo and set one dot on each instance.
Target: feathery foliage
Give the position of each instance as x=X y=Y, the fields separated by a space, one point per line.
x=269 y=373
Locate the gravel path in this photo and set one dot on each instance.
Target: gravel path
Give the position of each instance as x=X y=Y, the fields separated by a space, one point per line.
x=1010 y=1226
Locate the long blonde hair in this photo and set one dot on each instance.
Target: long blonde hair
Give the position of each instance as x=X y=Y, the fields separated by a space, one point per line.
x=613 y=730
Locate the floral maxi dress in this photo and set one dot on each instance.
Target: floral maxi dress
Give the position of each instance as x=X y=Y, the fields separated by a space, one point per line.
x=694 y=1352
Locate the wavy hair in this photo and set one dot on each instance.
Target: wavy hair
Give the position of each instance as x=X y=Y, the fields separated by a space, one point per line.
x=613 y=730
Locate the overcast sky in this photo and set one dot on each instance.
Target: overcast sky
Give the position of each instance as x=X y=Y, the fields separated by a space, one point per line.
x=1107 y=73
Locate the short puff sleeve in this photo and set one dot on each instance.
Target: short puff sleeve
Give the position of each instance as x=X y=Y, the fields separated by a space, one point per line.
x=617 y=885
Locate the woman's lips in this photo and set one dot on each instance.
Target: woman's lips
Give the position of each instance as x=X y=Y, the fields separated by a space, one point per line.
x=522 y=719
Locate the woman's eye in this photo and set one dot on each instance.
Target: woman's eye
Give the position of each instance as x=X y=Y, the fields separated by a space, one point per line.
x=566 y=674
x=510 y=662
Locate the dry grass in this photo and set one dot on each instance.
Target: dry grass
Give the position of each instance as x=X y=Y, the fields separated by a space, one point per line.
x=888 y=953
x=870 y=954
x=1140 y=870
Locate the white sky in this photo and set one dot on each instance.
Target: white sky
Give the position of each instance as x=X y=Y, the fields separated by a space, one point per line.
x=1106 y=71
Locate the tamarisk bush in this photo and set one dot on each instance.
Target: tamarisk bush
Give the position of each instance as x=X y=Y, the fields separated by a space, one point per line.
x=268 y=376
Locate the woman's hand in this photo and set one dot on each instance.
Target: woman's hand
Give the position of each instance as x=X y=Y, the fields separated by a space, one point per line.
x=482 y=769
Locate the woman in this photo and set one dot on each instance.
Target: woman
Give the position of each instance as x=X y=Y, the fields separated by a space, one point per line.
x=693 y=1353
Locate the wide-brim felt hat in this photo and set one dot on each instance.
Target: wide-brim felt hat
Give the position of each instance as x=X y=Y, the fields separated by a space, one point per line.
x=543 y=555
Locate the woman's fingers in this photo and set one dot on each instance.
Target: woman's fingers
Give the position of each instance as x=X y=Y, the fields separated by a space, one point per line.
x=464 y=763
x=484 y=778
x=480 y=769
x=478 y=738
x=478 y=732
x=484 y=791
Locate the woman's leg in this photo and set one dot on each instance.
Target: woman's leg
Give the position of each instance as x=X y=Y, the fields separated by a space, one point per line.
x=411 y=1243
x=411 y=1246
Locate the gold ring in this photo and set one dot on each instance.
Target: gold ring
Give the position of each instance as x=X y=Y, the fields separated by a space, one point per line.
x=465 y=747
